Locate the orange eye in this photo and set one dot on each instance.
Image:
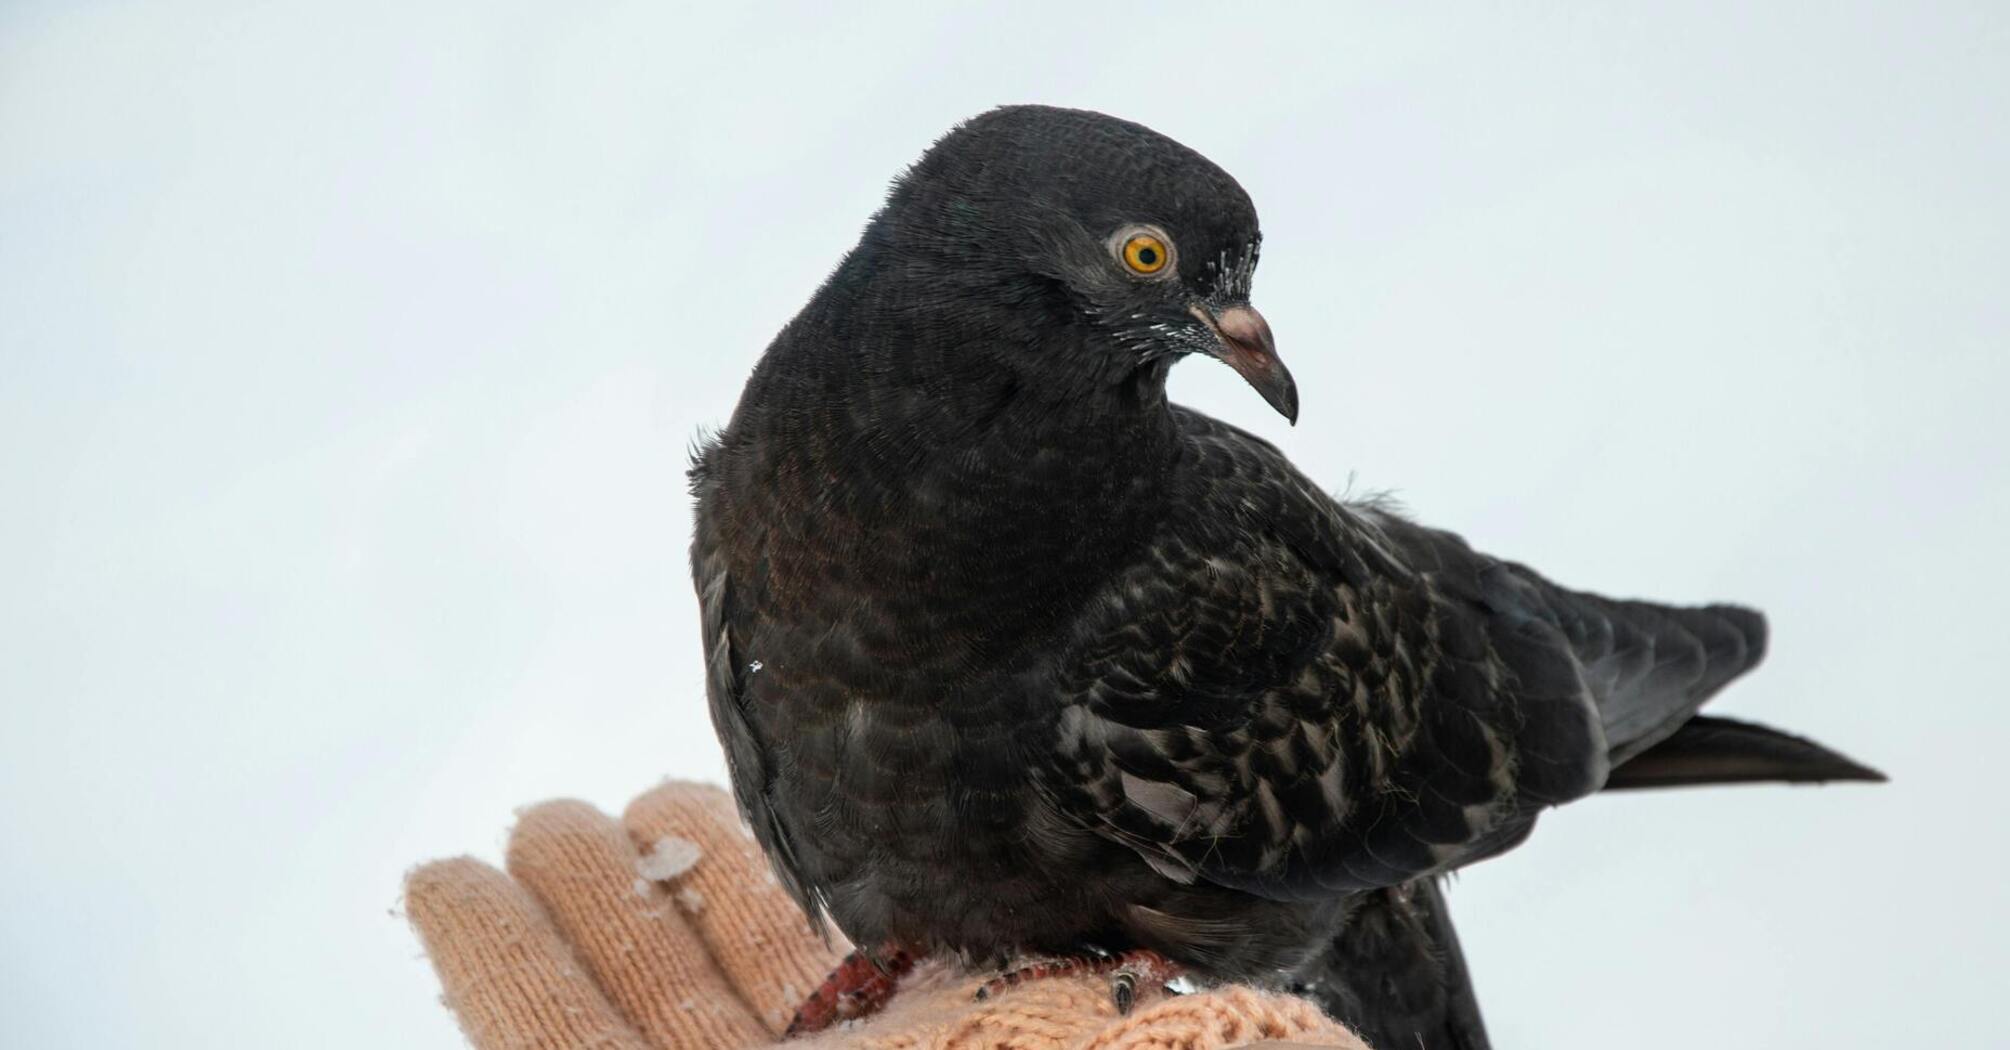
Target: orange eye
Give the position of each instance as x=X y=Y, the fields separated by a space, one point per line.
x=1146 y=254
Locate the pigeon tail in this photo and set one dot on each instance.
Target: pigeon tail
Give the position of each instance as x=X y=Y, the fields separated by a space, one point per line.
x=1653 y=666
x=1709 y=750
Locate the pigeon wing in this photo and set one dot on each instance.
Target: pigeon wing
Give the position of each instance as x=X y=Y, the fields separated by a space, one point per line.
x=1298 y=697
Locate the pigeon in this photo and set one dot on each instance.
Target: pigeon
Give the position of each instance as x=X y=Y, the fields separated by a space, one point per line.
x=1012 y=658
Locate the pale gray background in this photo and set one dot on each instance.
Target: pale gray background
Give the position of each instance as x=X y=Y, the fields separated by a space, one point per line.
x=351 y=352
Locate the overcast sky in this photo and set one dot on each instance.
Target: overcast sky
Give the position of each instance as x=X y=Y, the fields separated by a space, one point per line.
x=349 y=354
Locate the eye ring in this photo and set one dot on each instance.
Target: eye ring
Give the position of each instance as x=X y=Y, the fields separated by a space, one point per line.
x=1145 y=251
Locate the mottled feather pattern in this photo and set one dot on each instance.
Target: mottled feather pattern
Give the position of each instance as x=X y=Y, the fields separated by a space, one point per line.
x=1346 y=726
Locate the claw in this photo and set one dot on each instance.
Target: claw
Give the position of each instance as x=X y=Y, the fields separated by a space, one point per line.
x=1124 y=992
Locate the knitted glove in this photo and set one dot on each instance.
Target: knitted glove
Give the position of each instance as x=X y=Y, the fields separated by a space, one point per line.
x=667 y=930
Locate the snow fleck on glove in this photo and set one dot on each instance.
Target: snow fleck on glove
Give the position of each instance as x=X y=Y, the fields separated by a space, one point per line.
x=666 y=930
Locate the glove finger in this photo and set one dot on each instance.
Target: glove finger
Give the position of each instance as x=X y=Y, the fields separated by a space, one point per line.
x=640 y=949
x=692 y=836
x=504 y=970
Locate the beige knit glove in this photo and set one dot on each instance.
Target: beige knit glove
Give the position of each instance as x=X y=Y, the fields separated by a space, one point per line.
x=668 y=930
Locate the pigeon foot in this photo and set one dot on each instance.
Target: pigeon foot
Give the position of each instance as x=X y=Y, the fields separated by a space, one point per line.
x=1126 y=970
x=861 y=985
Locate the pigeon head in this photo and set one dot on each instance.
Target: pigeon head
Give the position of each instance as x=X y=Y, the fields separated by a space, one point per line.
x=1112 y=230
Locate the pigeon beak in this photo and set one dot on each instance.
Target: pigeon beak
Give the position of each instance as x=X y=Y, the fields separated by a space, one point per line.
x=1245 y=344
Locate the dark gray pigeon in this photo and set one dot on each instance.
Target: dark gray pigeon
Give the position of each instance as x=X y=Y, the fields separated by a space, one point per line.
x=1010 y=655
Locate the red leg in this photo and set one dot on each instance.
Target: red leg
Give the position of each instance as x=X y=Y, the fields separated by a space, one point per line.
x=1125 y=970
x=859 y=987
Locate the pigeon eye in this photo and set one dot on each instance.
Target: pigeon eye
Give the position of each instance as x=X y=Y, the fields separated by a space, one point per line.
x=1146 y=253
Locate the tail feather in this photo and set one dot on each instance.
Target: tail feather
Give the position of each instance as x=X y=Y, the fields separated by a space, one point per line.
x=1709 y=750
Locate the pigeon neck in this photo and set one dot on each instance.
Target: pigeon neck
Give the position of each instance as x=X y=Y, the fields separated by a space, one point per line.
x=935 y=454
x=911 y=353
x=995 y=391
